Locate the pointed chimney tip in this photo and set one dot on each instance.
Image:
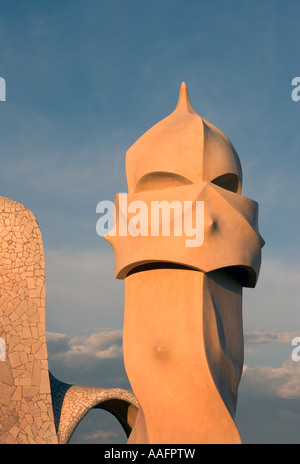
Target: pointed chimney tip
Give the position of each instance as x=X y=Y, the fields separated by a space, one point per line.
x=183 y=100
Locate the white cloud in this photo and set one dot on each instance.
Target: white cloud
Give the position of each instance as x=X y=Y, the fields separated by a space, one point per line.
x=282 y=382
x=101 y=344
x=270 y=337
x=55 y=337
x=99 y=435
x=94 y=358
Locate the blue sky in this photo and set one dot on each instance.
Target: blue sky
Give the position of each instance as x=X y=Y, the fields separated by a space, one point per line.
x=84 y=80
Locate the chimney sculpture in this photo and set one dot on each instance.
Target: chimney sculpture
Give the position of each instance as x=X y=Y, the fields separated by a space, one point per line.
x=185 y=241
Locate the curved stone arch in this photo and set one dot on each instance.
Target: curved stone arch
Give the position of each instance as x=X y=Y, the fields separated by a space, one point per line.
x=71 y=403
